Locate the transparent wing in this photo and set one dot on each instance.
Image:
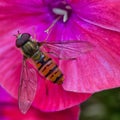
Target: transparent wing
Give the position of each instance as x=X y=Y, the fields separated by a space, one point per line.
x=68 y=50
x=27 y=88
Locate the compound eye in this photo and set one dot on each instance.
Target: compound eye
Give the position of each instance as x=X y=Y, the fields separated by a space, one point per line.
x=25 y=36
x=22 y=39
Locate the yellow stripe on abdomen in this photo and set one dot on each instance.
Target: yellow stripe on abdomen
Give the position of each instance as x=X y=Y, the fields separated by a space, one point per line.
x=49 y=69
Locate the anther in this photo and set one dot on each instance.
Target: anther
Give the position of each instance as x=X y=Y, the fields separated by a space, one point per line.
x=62 y=12
x=62 y=9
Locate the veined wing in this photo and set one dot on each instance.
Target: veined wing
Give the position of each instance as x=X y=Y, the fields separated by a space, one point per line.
x=68 y=50
x=27 y=88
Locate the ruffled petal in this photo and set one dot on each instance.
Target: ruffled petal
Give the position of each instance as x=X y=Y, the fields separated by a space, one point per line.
x=9 y=111
x=26 y=15
x=97 y=70
x=11 y=63
x=103 y=13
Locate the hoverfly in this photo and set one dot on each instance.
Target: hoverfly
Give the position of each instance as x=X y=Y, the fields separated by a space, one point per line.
x=31 y=49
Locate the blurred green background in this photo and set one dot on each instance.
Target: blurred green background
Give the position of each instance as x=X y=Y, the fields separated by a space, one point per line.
x=104 y=105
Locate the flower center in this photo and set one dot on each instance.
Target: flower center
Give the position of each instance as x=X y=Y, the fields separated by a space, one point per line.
x=61 y=9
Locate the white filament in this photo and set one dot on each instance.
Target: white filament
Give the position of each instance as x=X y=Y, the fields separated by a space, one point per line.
x=62 y=12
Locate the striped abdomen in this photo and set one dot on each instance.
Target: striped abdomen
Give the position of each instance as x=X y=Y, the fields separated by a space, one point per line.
x=48 y=68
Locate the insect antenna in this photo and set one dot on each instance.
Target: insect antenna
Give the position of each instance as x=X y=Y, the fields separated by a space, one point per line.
x=18 y=34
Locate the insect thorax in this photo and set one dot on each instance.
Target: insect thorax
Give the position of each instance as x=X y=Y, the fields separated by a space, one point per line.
x=30 y=48
x=37 y=56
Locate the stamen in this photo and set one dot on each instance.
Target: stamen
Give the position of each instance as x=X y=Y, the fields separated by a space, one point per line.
x=61 y=9
x=51 y=26
x=62 y=12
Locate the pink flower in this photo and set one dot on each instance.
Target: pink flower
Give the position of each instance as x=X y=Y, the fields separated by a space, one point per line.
x=96 y=22
x=9 y=111
x=29 y=16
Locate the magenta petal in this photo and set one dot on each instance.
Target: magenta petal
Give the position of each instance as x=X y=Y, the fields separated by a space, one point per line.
x=29 y=14
x=16 y=15
x=95 y=71
x=52 y=97
x=100 y=68
x=56 y=98
x=9 y=111
x=104 y=13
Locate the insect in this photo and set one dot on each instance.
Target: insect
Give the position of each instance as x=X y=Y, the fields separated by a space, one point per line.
x=31 y=49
